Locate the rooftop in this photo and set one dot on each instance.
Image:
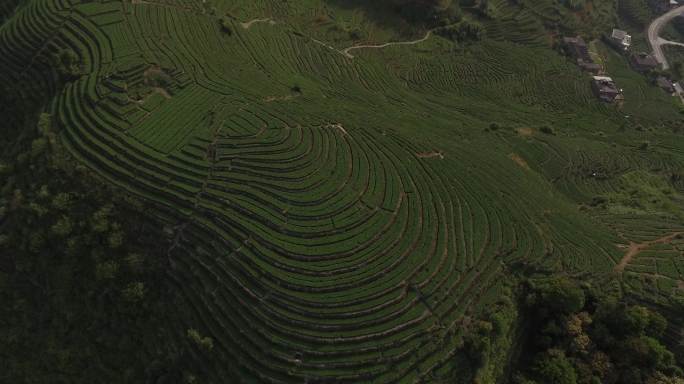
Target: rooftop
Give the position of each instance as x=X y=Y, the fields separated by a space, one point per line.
x=665 y=83
x=605 y=89
x=619 y=34
x=574 y=40
x=622 y=36
x=644 y=60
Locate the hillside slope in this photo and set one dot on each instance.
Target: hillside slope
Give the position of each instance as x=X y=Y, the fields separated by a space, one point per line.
x=335 y=216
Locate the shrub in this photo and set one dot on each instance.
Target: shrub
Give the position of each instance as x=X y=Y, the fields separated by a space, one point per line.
x=546 y=129
x=134 y=291
x=206 y=343
x=463 y=31
x=226 y=26
x=554 y=367
x=67 y=64
x=159 y=78
x=561 y=295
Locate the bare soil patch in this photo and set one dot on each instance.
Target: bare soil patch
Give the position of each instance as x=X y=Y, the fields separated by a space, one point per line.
x=162 y=92
x=525 y=131
x=429 y=155
x=157 y=79
x=635 y=248
x=271 y=99
x=519 y=160
x=337 y=126
x=248 y=24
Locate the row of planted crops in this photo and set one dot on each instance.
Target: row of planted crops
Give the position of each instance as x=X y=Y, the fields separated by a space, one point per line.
x=315 y=238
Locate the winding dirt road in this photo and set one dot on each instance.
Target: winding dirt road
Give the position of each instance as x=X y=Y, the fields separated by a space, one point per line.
x=656 y=41
x=248 y=24
x=349 y=55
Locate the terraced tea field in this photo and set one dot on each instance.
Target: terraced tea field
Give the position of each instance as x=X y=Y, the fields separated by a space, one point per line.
x=336 y=216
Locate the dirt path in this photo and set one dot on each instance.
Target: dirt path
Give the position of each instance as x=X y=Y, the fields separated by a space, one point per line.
x=349 y=55
x=526 y=131
x=162 y=92
x=670 y=42
x=430 y=155
x=654 y=34
x=337 y=126
x=330 y=47
x=248 y=24
x=635 y=248
x=271 y=99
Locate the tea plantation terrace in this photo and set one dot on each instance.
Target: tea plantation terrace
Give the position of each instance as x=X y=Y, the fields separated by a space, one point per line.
x=316 y=238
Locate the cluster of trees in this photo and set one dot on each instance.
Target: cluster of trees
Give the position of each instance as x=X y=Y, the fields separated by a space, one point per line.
x=160 y=78
x=7 y=7
x=677 y=69
x=487 y=341
x=463 y=31
x=576 y=335
x=576 y=5
x=479 y=6
x=428 y=6
x=444 y=16
x=429 y=12
x=555 y=330
x=82 y=275
x=67 y=64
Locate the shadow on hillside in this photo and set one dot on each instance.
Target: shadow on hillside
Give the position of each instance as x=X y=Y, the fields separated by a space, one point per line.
x=383 y=13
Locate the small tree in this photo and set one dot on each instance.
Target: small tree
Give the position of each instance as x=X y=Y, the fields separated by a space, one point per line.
x=546 y=129
x=226 y=25
x=134 y=292
x=206 y=343
x=561 y=295
x=554 y=367
x=67 y=64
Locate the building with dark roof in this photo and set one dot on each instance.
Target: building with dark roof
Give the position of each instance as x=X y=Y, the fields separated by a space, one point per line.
x=665 y=84
x=643 y=62
x=590 y=67
x=577 y=48
x=605 y=89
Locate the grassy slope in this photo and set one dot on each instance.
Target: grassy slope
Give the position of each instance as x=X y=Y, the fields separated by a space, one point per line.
x=262 y=212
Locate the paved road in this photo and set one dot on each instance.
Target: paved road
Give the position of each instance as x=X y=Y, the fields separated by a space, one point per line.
x=654 y=35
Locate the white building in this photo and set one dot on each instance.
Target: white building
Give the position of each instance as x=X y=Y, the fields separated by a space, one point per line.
x=621 y=39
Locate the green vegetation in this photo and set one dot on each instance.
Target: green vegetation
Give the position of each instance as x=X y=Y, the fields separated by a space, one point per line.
x=462 y=31
x=675 y=56
x=635 y=13
x=66 y=63
x=581 y=335
x=319 y=190
x=643 y=193
x=82 y=277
